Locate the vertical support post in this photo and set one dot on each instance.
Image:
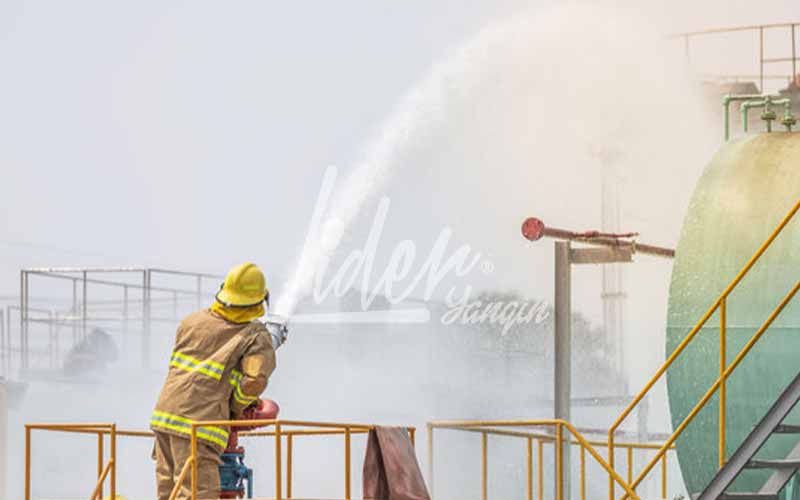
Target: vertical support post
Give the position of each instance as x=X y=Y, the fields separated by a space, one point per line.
x=430 y=459
x=113 y=440
x=563 y=357
x=125 y=317
x=583 y=473
x=722 y=365
x=664 y=476
x=3 y=348
x=100 y=456
x=540 y=469
x=484 y=465
x=289 y=465
x=347 y=463
x=53 y=342
x=641 y=428
x=278 y=461
x=559 y=464
x=3 y=439
x=84 y=307
x=146 y=320
x=761 y=58
x=193 y=444
x=794 y=58
x=23 y=318
x=199 y=292
x=27 y=463
x=412 y=432
x=74 y=311
x=630 y=464
x=529 y=469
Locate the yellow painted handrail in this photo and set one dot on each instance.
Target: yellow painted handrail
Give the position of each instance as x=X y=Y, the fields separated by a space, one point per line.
x=556 y=438
x=717 y=384
x=721 y=304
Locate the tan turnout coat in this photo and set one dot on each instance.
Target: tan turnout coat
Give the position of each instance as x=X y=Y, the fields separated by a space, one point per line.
x=216 y=370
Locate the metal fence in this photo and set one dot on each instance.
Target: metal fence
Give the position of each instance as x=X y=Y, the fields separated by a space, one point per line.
x=59 y=306
x=760 y=29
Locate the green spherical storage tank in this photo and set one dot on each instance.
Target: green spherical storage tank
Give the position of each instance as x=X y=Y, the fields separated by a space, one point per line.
x=743 y=194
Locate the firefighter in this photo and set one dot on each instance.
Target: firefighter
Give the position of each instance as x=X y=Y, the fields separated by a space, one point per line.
x=219 y=366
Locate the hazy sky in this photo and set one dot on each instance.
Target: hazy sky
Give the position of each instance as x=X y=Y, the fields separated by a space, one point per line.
x=192 y=135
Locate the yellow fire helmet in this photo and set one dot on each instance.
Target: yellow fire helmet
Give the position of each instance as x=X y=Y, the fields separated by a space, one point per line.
x=244 y=286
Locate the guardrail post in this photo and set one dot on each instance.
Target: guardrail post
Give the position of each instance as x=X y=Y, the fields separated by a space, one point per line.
x=289 y=465
x=484 y=466
x=347 y=463
x=193 y=438
x=722 y=391
x=3 y=440
x=529 y=469
x=27 y=463
x=100 y=460
x=540 y=469
x=559 y=463
x=430 y=458
x=146 y=320
x=278 y=458
x=113 y=440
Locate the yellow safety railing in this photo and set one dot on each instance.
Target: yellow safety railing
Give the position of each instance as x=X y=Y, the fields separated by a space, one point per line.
x=556 y=437
x=724 y=370
x=287 y=429
x=109 y=470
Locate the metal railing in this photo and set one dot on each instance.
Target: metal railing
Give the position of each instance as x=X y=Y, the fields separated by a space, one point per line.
x=762 y=61
x=561 y=434
x=139 y=297
x=109 y=470
x=725 y=370
x=284 y=432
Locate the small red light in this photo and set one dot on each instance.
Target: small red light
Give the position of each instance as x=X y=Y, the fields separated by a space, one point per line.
x=532 y=229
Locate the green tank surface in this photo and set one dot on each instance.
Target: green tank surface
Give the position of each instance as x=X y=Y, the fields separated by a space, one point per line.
x=746 y=190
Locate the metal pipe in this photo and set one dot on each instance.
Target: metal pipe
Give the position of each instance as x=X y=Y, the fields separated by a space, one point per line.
x=289 y=465
x=559 y=464
x=745 y=108
x=23 y=318
x=84 y=306
x=484 y=465
x=540 y=470
x=761 y=57
x=726 y=102
x=722 y=391
x=278 y=458
x=113 y=440
x=534 y=229
x=412 y=436
x=794 y=58
x=27 y=462
x=529 y=469
x=98 y=488
x=193 y=439
x=583 y=473
x=347 y=464
x=146 y=321
x=430 y=458
x=100 y=460
x=630 y=465
x=664 y=476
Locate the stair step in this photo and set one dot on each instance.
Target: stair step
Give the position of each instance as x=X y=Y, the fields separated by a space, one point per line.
x=746 y=495
x=787 y=429
x=774 y=464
